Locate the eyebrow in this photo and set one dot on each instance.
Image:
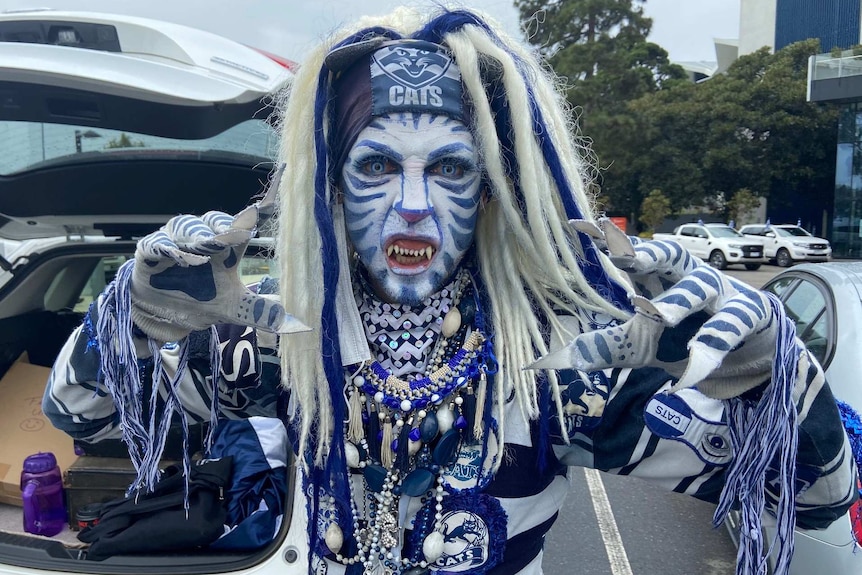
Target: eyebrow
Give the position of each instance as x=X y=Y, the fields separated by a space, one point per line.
x=381 y=148
x=449 y=149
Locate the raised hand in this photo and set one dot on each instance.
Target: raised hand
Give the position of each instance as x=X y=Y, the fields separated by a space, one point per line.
x=701 y=326
x=186 y=276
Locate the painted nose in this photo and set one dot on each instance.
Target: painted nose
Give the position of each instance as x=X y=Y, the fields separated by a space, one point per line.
x=414 y=205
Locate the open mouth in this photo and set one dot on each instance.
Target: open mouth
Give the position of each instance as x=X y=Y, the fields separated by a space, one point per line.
x=410 y=255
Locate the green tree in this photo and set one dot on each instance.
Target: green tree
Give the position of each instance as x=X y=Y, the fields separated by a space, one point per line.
x=654 y=209
x=749 y=128
x=123 y=141
x=741 y=203
x=600 y=48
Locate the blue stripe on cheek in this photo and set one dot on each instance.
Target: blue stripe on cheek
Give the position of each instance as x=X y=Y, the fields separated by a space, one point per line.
x=366 y=254
x=462 y=239
x=457 y=187
x=353 y=217
x=358 y=184
x=448 y=261
x=465 y=222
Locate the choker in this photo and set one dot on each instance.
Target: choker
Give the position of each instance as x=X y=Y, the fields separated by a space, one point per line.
x=404 y=435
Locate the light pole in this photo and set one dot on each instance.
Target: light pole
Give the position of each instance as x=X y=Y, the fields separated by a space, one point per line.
x=85 y=134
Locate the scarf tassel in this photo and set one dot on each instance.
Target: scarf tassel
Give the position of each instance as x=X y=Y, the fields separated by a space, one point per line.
x=764 y=434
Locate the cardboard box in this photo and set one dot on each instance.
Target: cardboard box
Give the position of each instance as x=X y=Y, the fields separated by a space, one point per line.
x=24 y=430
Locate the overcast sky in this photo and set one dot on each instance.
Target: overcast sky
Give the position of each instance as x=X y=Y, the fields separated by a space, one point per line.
x=685 y=28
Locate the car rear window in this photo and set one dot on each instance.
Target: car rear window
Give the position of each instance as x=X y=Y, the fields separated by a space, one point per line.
x=27 y=146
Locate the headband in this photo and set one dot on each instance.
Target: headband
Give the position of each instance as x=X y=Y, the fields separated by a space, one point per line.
x=380 y=77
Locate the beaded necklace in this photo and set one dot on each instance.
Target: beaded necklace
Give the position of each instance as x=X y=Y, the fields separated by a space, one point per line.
x=405 y=432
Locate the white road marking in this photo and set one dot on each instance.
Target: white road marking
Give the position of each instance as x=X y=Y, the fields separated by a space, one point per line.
x=617 y=556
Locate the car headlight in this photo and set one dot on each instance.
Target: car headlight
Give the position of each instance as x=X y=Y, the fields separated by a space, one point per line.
x=800 y=244
x=735 y=246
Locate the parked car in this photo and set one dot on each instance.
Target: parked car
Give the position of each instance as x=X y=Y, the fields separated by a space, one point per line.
x=109 y=125
x=786 y=244
x=718 y=244
x=824 y=300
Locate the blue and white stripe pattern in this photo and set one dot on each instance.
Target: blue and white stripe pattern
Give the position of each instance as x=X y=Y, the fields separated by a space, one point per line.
x=531 y=495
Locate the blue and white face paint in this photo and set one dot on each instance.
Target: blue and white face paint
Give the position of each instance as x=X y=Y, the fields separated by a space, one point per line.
x=411 y=186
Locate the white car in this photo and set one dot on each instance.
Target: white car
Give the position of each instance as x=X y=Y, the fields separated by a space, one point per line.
x=718 y=244
x=824 y=300
x=787 y=243
x=109 y=125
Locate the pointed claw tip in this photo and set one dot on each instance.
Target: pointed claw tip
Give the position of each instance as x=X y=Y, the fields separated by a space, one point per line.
x=292 y=325
x=588 y=228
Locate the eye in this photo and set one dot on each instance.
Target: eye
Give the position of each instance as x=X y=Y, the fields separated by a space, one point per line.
x=449 y=168
x=377 y=166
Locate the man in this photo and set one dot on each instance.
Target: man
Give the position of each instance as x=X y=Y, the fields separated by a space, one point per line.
x=425 y=240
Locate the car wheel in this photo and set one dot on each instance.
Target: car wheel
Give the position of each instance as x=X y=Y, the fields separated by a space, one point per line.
x=752 y=267
x=783 y=259
x=717 y=260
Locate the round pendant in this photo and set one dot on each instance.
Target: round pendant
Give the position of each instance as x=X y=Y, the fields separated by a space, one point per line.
x=351 y=454
x=445 y=419
x=432 y=547
x=334 y=538
x=451 y=323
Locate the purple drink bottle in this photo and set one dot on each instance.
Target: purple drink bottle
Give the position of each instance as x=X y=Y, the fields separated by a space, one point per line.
x=42 y=492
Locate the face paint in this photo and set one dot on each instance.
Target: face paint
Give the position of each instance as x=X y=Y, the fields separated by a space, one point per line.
x=411 y=185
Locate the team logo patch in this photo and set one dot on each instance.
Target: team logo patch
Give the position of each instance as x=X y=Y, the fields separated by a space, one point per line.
x=471 y=470
x=415 y=77
x=667 y=416
x=584 y=397
x=473 y=526
x=671 y=417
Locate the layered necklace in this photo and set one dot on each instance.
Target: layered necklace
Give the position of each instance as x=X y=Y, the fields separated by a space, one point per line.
x=410 y=412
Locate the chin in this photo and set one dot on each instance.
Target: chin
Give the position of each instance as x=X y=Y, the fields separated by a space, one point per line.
x=410 y=290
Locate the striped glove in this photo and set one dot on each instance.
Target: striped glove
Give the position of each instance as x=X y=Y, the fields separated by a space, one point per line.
x=186 y=277
x=704 y=328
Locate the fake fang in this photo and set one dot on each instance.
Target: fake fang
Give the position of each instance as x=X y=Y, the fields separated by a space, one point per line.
x=410 y=255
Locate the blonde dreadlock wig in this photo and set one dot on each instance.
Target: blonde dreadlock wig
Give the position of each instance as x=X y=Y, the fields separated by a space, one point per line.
x=531 y=263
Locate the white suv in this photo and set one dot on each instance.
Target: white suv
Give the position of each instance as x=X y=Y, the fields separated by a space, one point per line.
x=109 y=125
x=787 y=243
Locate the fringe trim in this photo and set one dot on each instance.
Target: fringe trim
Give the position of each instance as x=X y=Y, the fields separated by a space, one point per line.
x=145 y=431
x=764 y=434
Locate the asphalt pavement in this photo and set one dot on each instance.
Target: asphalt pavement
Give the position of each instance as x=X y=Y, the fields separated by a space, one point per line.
x=614 y=525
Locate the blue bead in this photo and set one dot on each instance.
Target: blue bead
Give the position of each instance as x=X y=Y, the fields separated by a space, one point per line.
x=415 y=434
x=417 y=482
x=375 y=476
x=461 y=422
x=447 y=448
x=429 y=427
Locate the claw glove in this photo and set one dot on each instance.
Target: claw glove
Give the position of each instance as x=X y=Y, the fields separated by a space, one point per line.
x=733 y=346
x=186 y=278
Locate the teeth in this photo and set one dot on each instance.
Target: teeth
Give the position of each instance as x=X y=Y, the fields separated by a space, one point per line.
x=397 y=251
